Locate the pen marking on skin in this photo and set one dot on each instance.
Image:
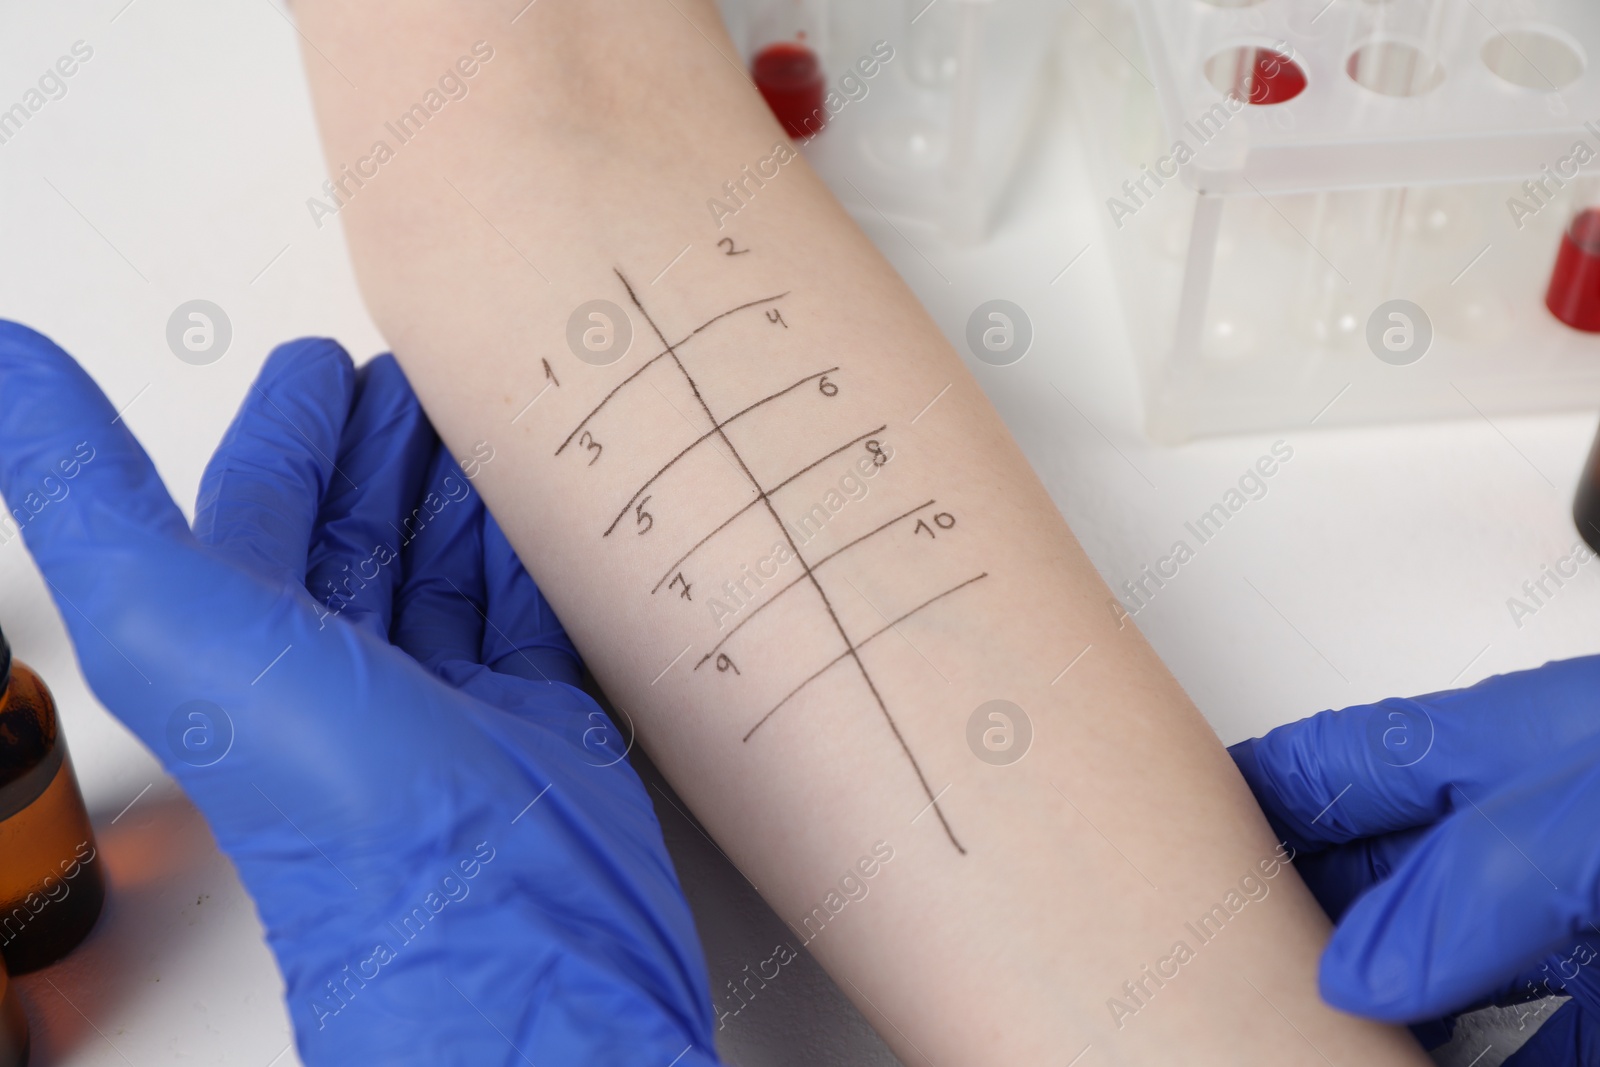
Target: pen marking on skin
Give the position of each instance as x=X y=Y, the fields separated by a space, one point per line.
x=715 y=431
x=897 y=630
x=131 y=803
x=531 y=803
x=273 y=664
x=930 y=803
x=841 y=657
x=765 y=500
x=669 y=666
x=660 y=356
x=787 y=481
x=690 y=422
x=831 y=555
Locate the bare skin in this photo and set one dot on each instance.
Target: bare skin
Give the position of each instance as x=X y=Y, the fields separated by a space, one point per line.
x=803 y=666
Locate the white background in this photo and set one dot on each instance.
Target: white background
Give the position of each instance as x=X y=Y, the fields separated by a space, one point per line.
x=177 y=166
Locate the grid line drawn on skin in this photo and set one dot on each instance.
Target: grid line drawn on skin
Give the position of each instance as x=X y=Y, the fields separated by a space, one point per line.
x=763 y=494
x=653 y=360
x=715 y=431
x=840 y=658
x=815 y=566
x=681 y=560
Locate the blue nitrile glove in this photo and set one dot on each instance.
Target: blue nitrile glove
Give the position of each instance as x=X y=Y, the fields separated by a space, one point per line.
x=1455 y=840
x=453 y=861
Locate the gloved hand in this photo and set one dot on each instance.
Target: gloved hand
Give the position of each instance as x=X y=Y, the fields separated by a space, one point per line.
x=1455 y=840
x=453 y=861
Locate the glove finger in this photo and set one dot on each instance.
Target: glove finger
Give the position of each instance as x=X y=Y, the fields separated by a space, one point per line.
x=1569 y=1037
x=522 y=636
x=384 y=454
x=260 y=493
x=138 y=595
x=72 y=474
x=1516 y=869
x=1338 y=876
x=439 y=612
x=1393 y=765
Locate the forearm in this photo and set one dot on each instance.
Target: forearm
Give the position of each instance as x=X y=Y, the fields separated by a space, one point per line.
x=803 y=666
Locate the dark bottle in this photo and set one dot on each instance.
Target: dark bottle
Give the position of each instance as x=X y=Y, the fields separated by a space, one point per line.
x=51 y=883
x=13 y=1026
x=1586 y=503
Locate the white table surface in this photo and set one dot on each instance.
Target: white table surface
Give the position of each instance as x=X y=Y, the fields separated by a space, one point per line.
x=177 y=166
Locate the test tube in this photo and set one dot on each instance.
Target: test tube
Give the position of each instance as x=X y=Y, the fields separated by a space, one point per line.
x=933 y=33
x=787 y=46
x=1574 y=292
x=13 y=1026
x=51 y=885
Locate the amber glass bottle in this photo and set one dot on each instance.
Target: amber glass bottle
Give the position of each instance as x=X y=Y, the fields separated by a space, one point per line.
x=51 y=886
x=13 y=1026
x=1586 y=503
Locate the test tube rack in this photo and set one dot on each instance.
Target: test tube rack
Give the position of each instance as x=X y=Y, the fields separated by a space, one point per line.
x=1272 y=174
